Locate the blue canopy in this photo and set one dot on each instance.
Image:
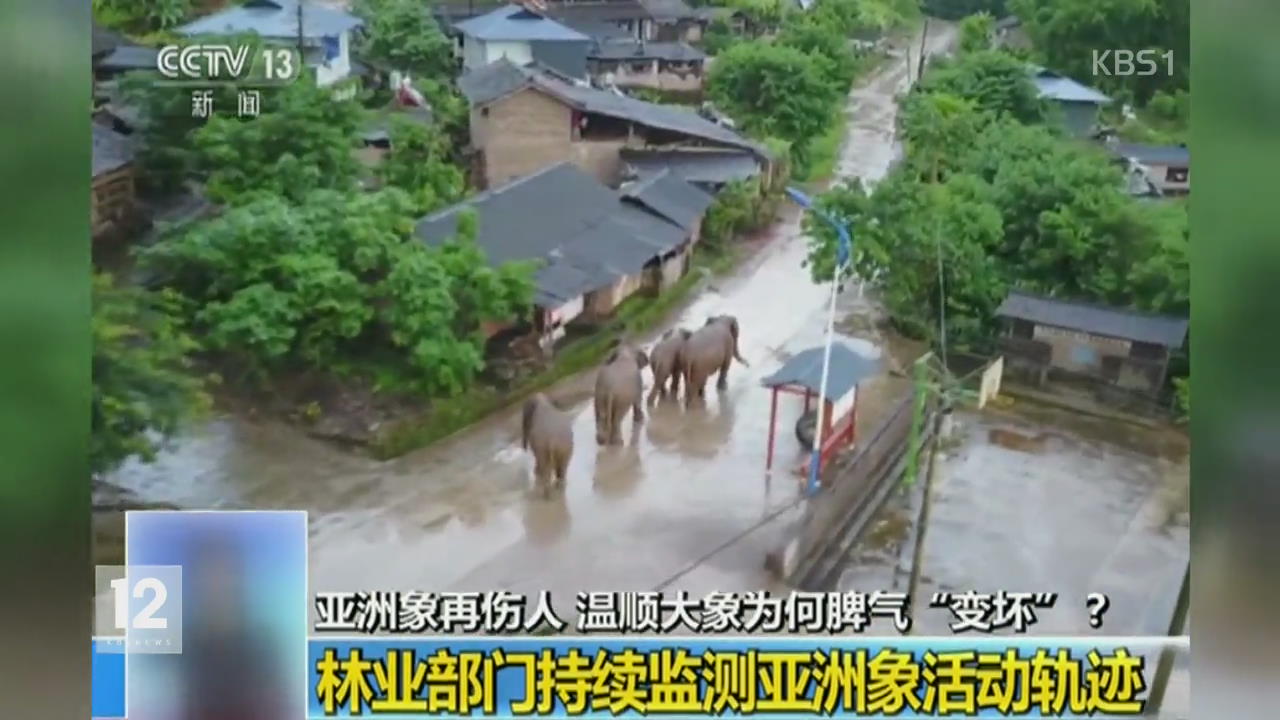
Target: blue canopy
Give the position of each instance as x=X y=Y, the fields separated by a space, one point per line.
x=848 y=368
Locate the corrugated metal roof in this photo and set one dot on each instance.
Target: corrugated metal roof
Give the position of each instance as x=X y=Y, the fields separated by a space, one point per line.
x=513 y=22
x=1063 y=89
x=1177 y=155
x=713 y=167
x=111 y=150
x=590 y=240
x=490 y=83
x=847 y=368
x=669 y=196
x=1096 y=319
x=630 y=49
x=274 y=19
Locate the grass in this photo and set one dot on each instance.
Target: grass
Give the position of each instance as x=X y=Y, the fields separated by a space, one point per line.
x=634 y=315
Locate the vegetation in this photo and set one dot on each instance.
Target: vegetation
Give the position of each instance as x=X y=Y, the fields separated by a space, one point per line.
x=337 y=279
x=976 y=31
x=419 y=164
x=985 y=200
x=141 y=16
x=957 y=9
x=399 y=35
x=994 y=80
x=143 y=384
x=1066 y=33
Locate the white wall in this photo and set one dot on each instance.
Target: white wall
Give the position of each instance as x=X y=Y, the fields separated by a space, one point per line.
x=517 y=52
x=339 y=67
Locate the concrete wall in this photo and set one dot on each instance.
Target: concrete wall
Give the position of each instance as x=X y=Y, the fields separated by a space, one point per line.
x=478 y=53
x=599 y=158
x=1160 y=174
x=521 y=133
x=1077 y=351
x=601 y=303
x=1078 y=118
x=650 y=74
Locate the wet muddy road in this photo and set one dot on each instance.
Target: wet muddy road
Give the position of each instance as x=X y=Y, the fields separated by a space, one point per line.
x=659 y=511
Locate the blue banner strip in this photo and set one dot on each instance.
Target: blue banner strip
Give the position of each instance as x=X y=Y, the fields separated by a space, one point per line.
x=108 y=682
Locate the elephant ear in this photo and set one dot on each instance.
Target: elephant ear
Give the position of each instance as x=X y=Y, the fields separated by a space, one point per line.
x=642 y=359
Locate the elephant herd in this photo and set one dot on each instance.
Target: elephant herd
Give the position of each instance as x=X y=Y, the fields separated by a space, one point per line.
x=691 y=356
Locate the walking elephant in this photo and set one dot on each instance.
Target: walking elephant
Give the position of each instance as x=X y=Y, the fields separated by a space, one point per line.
x=666 y=360
x=619 y=387
x=714 y=346
x=547 y=432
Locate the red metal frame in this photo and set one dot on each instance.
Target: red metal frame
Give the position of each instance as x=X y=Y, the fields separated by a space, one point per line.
x=841 y=432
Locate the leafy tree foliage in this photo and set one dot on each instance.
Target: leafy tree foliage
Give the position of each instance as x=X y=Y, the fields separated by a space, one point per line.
x=141 y=15
x=402 y=35
x=305 y=143
x=956 y=9
x=823 y=41
x=994 y=80
x=336 y=279
x=1067 y=32
x=975 y=32
x=775 y=90
x=1001 y=203
x=143 y=385
x=418 y=164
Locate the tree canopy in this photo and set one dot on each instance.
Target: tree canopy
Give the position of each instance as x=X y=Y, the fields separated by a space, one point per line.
x=144 y=386
x=337 y=278
x=402 y=35
x=993 y=80
x=997 y=203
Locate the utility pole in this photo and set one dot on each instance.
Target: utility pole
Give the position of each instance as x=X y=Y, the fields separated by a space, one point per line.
x=301 y=49
x=924 y=38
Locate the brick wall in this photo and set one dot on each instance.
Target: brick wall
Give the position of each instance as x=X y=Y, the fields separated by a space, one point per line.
x=521 y=134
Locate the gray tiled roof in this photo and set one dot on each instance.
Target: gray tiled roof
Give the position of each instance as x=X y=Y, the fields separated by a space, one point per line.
x=630 y=49
x=1053 y=86
x=512 y=22
x=103 y=40
x=493 y=82
x=1177 y=155
x=595 y=29
x=669 y=196
x=668 y=10
x=610 y=11
x=695 y=165
x=1096 y=319
x=590 y=240
x=128 y=57
x=111 y=150
x=274 y=19
x=846 y=369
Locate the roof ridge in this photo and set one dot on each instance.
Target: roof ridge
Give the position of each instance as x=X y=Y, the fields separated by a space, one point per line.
x=1097 y=306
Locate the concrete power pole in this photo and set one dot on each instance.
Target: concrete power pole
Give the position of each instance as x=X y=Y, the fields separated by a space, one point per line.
x=924 y=38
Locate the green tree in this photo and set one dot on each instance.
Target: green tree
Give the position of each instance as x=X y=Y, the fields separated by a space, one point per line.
x=418 y=164
x=141 y=16
x=144 y=388
x=993 y=80
x=1066 y=34
x=975 y=32
x=402 y=35
x=775 y=90
x=823 y=41
x=306 y=142
x=339 y=280
x=956 y=9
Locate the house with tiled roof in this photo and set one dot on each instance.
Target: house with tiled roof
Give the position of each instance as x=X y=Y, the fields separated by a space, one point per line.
x=525 y=118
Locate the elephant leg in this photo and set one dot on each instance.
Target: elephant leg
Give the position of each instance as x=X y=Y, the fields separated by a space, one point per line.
x=541 y=465
x=723 y=382
x=637 y=408
x=562 y=467
x=675 y=382
x=659 y=387
x=602 y=423
x=615 y=425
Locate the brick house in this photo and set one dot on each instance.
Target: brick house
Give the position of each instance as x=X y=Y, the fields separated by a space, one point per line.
x=113 y=201
x=1046 y=337
x=524 y=118
x=597 y=248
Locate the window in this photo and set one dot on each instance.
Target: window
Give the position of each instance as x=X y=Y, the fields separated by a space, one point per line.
x=1176 y=174
x=1084 y=355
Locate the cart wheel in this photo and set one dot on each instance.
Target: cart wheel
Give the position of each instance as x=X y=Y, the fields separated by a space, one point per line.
x=806 y=428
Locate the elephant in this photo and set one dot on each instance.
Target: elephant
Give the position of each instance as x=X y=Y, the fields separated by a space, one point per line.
x=666 y=360
x=712 y=346
x=547 y=431
x=619 y=386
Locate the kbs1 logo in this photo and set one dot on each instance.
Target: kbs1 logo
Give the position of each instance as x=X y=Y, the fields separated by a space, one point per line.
x=204 y=64
x=1126 y=63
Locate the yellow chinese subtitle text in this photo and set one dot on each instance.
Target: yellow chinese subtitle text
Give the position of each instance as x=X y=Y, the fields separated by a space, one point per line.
x=678 y=681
